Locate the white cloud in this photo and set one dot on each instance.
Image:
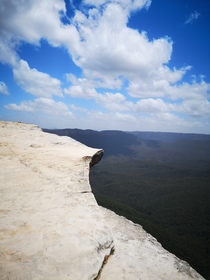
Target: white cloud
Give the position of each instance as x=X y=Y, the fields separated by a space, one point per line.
x=172 y=122
x=109 y=120
x=3 y=88
x=157 y=83
x=35 y=82
x=193 y=17
x=166 y=121
x=114 y=101
x=29 y=21
x=24 y=106
x=189 y=108
x=195 y=108
x=194 y=91
x=162 y=121
x=108 y=47
x=111 y=55
x=96 y=3
x=151 y=105
x=114 y=52
x=83 y=88
x=125 y=117
x=108 y=100
x=96 y=81
x=161 y=86
x=77 y=108
x=43 y=105
x=126 y=4
x=7 y=53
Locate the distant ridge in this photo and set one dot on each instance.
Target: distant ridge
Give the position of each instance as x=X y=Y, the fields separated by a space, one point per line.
x=162 y=146
x=170 y=136
x=113 y=142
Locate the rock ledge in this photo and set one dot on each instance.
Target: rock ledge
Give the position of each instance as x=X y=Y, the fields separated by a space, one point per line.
x=51 y=226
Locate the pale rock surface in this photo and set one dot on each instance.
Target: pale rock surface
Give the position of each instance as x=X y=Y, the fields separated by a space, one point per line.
x=51 y=226
x=138 y=255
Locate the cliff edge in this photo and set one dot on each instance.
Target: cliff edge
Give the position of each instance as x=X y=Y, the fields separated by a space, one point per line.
x=51 y=226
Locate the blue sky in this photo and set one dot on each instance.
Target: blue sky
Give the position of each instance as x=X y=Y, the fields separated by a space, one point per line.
x=117 y=64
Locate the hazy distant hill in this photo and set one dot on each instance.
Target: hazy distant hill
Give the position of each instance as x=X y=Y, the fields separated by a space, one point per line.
x=113 y=142
x=145 y=145
x=171 y=136
x=159 y=180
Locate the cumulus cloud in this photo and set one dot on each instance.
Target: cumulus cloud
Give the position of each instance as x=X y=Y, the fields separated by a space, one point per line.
x=156 y=83
x=105 y=53
x=3 y=88
x=151 y=105
x=114 y=101
x=195 y=108
x=126 y=4
x=7 y=52
x=78 y=108
x=122 y=70
x=35 y=82
x=41 y=104
x=83 y=88
x=29 y=21
x=194 y=91
x=193 y=17
x=105 y=48
x=124 y=117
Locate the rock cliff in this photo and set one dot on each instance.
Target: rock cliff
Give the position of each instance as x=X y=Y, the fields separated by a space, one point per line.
x=51 y=226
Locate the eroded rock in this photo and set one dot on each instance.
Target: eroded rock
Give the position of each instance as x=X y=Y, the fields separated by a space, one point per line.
x=96 y=157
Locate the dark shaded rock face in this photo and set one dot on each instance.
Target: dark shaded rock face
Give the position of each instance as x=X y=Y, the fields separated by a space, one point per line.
x=96 y=158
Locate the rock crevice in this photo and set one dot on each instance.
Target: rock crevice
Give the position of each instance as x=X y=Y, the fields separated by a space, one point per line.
x=106 y=258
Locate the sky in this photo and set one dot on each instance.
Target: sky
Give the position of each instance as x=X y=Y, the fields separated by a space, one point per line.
x=132 y=65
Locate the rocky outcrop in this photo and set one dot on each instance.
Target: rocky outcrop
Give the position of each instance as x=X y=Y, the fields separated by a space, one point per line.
x=96 y=158
x=51 y=226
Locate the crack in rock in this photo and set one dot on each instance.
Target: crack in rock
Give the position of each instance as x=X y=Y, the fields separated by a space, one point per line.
x=106 y=258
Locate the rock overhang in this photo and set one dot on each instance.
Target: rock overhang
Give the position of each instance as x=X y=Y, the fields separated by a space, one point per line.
x=51 y=225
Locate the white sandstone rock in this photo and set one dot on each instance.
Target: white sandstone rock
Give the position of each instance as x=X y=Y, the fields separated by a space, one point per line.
x=51 y=227
x=138 y=255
